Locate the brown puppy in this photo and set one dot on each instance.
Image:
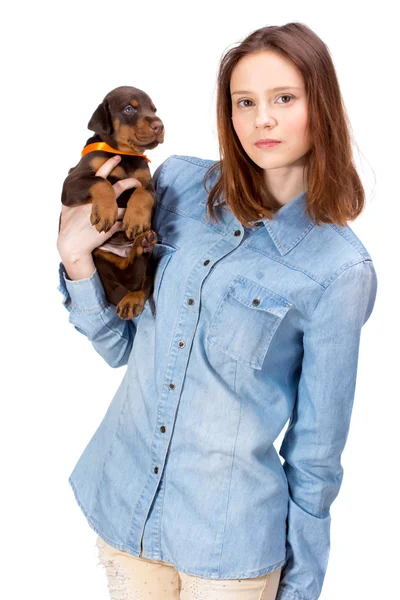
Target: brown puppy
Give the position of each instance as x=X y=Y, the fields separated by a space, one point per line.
x=125 y=123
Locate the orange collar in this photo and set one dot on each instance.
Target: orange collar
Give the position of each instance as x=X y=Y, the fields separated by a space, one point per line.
x=106 y=148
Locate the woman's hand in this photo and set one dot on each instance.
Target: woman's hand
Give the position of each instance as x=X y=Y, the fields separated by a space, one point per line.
x=77 y=237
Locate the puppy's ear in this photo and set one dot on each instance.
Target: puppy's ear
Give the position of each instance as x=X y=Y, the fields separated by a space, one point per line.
x=100 y=121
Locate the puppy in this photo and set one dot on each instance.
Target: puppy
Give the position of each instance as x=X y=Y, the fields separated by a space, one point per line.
x=125 y=123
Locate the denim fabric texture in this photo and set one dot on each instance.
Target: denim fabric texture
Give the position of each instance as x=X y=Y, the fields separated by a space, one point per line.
x=246 y=330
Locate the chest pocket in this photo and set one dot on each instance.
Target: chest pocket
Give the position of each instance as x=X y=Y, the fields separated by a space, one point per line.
x=161 y=255
x=246 y=321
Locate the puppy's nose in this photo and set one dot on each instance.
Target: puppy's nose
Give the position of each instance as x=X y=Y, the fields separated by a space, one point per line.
x=157 y=127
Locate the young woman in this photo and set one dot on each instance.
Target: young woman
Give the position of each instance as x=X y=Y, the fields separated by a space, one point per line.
x=260 y=294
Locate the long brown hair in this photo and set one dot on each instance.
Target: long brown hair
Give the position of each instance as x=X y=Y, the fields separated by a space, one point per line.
x=335 y=193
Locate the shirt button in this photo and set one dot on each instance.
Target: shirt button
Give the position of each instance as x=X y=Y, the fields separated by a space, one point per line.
x=237 y=232
x=171 y=386
x=206 y=262
x=191 y=301
x=155 y=469
x=181 y=344
x=163 y=429
x=256 y=301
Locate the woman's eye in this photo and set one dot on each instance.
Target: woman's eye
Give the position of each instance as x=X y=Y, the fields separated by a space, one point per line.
x=128 y=109
x=243 y=101
x=284 y=96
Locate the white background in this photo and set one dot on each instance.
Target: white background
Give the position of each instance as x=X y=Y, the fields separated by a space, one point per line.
x=58 y=63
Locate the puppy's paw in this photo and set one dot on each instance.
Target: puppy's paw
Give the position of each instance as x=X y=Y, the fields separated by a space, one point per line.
x=149 y=241
x=145 y=242
x=104 y=216
x=135 y=222
x=130 y=306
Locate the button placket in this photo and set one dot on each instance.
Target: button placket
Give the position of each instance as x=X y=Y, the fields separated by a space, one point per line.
x=181 y=343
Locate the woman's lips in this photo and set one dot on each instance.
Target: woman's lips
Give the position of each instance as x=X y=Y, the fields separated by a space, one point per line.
x=266 y=144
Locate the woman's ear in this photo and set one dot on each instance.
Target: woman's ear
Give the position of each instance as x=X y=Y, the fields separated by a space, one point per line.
x=100 y=121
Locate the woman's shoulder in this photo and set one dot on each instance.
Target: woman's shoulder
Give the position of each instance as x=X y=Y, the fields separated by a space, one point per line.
x=348 y=237
x=329 y=250
x=194 y=160
x=179 y=164
x=182 y=173
x=179 y=182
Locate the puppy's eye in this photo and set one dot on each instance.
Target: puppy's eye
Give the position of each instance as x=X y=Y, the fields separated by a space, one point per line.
x=129 y=109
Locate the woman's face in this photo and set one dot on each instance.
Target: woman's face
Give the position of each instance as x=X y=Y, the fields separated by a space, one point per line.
x=259 y=111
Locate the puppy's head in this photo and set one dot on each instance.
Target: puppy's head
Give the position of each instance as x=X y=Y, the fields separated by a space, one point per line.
x=126 y=119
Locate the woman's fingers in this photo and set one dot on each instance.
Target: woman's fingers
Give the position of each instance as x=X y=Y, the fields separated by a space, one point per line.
x=108 y=166
x=125 y=184
x=85 y=211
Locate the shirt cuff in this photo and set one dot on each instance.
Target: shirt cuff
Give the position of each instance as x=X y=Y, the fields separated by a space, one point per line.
x=284 y=594
x=83 y=295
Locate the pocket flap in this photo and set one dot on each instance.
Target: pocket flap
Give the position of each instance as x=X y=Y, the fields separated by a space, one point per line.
x=256 y=296
x=161 y=248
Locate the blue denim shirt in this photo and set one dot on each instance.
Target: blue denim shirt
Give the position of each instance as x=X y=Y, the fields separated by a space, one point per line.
x=246 y=329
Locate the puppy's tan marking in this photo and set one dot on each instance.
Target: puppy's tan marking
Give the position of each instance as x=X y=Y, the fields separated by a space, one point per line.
x=124 y=138
x=119 y=172
x=121 y=263
x=143 y=175
x=126 y=132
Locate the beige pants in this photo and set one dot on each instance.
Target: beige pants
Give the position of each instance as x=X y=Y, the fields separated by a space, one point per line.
x=133 y=578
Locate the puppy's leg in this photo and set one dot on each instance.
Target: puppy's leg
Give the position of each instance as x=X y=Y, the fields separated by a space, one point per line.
x=83 y=189
x=138 y=213
x=132 y=304
x=138 y=248
x=104 y=205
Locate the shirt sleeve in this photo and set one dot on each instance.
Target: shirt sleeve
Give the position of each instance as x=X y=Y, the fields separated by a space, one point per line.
x=319 y=426
x=96 y=318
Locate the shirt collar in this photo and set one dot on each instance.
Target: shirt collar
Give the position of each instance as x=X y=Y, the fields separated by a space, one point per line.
x=288 y=225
